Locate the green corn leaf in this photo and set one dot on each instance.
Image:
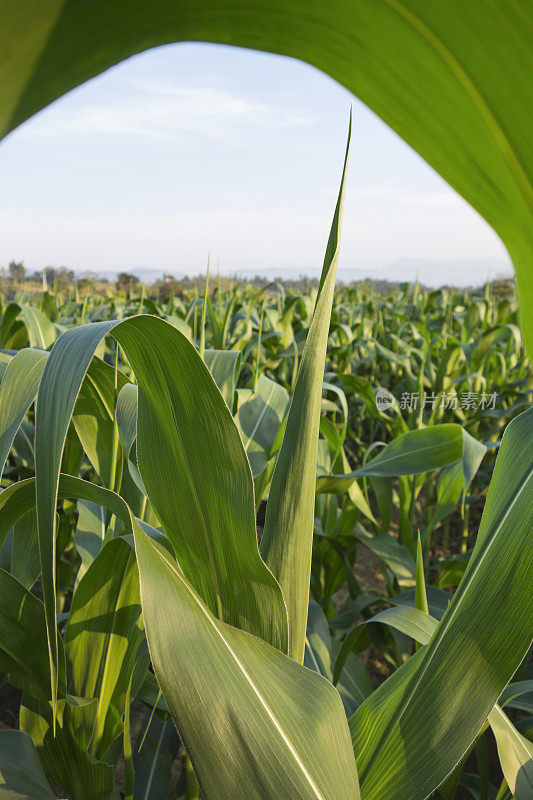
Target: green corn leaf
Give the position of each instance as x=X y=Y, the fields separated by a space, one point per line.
x=60 y=739
x=89 y=535
x=211 y=671
x=224 y=366
x=208 y=516
x=514 y=750
x=415 y=452
x=449 y=488
x=259 y=419
x=421 y=601
x=153 y=762
x=25 y=565
x=17 y=393
x=19 y=498
x=403 y=618
x=288 y=535
x=126 y=413
x=102 y=636
x=321 y=650
x=395 y=555
x=21 y=774
x=41 y=333
x=209 y=513
x=516 y=754
x=440 y=695
x=129 y=769
x=94 y=416
x=22 y=621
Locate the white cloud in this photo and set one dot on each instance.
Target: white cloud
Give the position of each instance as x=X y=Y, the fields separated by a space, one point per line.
x=162 y=110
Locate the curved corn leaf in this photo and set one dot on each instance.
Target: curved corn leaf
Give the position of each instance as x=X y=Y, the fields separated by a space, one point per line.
x=439 y=695
x=417 y=451
x=41 y=333
x=94 y=416
x=321 y=650
x=209 y=513
x=257 y=701
x=260 y=698
x=60 y=739
x=287 y=539
x=514 y=750
x=126 y=413
x=407 y=620
x=516 y=754
x=25 y=565
x=208 y=516
x=89 y=534
x=21 y=774
x=17 y=393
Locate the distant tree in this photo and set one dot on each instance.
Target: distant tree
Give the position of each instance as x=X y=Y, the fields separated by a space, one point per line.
x=125 y=280
x=17 y=270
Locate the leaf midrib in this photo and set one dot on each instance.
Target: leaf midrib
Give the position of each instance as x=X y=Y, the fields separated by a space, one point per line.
x=271 y=715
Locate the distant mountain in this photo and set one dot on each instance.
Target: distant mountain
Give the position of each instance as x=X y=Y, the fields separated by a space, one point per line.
x=468 y=272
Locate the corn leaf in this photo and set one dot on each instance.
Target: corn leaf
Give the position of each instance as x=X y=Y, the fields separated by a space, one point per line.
x=153 y=763
x=259 y=698
x=205 y=504
x=21 y=621
x=25 y=565
x=441 y=694
x=21 y=774
x=102 y=636
x=224 y=366
x=17 y=393
x=60 y=739
x=414 y=452
x=288 y=534
x=514 y=750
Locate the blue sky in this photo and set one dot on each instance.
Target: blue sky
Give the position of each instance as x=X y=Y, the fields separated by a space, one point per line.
x=195 y=148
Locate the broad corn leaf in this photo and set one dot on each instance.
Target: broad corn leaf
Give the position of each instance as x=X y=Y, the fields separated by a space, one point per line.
x=241 y=707
x=205 y=504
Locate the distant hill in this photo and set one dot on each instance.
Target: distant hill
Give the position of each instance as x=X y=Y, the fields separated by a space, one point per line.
x=468 y=272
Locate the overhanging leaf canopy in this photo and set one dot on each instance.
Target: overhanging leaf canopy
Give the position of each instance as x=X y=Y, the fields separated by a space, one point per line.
x=452 y=78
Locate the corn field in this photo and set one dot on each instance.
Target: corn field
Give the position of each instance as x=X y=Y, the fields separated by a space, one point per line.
x=260 y=543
